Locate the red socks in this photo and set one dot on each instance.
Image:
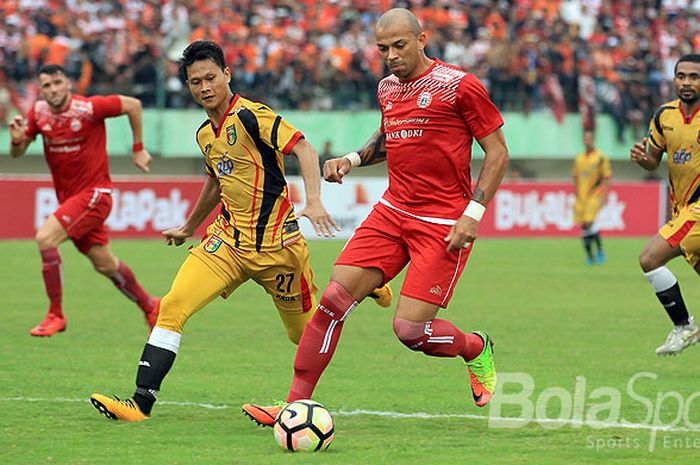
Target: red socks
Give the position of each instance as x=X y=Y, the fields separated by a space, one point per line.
x=51 y=271
x=125 y=281
x=438 y=338
x=319 y=340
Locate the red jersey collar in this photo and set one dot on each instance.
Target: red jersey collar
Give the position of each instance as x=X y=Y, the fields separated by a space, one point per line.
x=217 y=129
x=687 y=119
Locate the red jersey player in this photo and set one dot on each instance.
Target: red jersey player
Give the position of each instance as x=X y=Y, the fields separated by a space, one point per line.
x=428 y=218
x=73 y=131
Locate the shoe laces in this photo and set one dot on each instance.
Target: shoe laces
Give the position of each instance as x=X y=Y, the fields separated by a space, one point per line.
x=127 y=402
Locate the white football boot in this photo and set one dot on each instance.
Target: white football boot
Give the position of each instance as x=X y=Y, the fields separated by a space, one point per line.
x=679 y=338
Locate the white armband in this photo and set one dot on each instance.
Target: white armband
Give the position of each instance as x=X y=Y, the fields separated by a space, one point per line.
x=474 y=210
x=353 y=158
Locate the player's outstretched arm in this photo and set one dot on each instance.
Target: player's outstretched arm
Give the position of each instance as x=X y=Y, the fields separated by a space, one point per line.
x=140 y=156
x=18 y=139
x=314 y=210
x=209 y=198
x=646 y=155
x=374 y=151
x=496 y=158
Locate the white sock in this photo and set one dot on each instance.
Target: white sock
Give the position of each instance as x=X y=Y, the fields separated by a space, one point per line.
x=661 y=279
x=165 y=339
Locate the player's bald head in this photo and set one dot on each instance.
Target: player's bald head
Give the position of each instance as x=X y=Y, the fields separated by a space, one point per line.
x=397 y=17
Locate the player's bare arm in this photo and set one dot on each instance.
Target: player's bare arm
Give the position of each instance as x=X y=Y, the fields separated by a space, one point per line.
x=314 y=210
x=646 y=155
x=209 y=198
x=18 y=140
x=466 y=228
x=140 y=156
x=373 y=152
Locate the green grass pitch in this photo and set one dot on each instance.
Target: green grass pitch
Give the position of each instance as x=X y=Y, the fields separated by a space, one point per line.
x=583 y=335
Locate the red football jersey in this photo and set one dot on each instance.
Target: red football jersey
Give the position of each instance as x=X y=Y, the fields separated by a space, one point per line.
x=429 y=123
x=75 y=142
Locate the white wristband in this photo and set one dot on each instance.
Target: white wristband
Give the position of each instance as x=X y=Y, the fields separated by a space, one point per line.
x=353 y=158
x=474 y=210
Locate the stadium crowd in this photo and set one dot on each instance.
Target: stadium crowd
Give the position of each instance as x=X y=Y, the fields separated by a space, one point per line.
x=613 y=56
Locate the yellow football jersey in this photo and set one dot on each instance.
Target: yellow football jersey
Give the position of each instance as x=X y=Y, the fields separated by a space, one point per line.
x=678 y=135
x=590 y=170
x=244 y=152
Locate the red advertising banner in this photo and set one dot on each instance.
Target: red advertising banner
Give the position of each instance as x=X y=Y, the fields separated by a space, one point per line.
x=546 y=209
x=143 y=207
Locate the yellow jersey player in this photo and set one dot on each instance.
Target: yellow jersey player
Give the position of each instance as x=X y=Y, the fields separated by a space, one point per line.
x=256 y=235
x=675 y=130
x=591 y=174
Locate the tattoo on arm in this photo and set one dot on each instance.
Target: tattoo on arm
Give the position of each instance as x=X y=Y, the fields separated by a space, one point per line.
x=478 y=196
x=374 y=151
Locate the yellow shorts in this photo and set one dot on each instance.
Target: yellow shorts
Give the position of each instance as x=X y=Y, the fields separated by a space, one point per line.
x=684 y=231
x=214 y=268
x=586 y=210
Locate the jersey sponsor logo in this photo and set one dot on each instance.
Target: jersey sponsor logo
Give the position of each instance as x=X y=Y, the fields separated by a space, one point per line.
x=224 y=167
x=404 y=134
x=389 y=122
x=144 y=363
x=75 y=125
x=285 y=298
x=64 y=148
x=682 y=156
x=424 y=100
x=213 y=244
x=666 y=127
x=231 y=134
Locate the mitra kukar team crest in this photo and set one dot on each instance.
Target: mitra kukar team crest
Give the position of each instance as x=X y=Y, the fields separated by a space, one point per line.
x=231 y=134
x=213 y=244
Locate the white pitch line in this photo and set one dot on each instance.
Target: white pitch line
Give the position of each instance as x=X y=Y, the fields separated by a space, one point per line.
x=418 y=415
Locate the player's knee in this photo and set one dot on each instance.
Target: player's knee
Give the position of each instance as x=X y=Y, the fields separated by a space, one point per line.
x=43 y=239
x=410 y=333
x=647 y=261
x=169 y=315
x=105 y=267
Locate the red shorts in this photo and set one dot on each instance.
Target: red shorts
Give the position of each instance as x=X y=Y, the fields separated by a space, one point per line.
x=83 y=217
x=388 y=240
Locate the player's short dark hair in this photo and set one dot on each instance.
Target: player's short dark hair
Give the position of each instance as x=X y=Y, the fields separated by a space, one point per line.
x=691 y=57
x=51 y=69
x=201 y=50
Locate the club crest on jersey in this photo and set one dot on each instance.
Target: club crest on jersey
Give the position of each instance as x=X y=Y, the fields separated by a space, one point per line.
x=389 y=106
x=75 y=125
x=213 y=244
x=231 y=134
x=424 y=100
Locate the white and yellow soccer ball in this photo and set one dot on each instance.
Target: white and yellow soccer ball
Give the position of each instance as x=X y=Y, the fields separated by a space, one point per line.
x=304 y=425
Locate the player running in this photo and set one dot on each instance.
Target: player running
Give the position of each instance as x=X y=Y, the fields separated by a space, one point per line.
x=428 y=218
x=256 y=235
x=675 y=129
x=73 y=131
x=591 y=175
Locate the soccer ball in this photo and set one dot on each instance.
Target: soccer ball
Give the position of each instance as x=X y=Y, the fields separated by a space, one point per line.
x=304 y=425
